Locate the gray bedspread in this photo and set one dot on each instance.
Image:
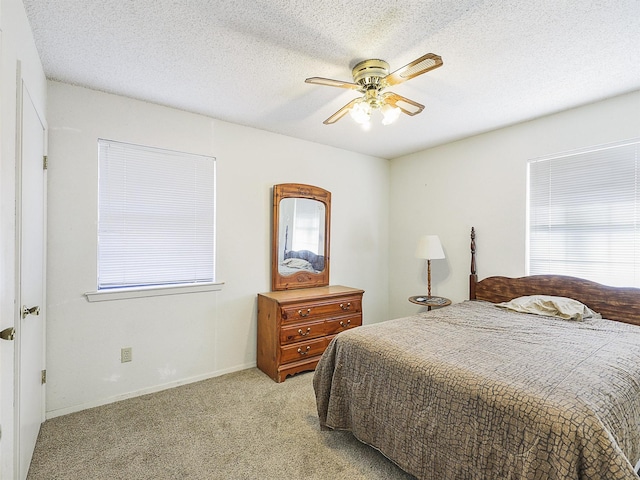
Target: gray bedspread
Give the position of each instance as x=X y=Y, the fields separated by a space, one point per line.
x=474 y=392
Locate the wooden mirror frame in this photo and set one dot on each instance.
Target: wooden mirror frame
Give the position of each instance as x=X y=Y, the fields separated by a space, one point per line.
x=302 y=279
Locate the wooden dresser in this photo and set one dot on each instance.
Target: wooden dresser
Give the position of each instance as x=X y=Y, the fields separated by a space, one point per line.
x=296 y=326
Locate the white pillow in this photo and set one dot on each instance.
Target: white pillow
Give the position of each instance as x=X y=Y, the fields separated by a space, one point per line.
x=560 y=307
x=297 y=263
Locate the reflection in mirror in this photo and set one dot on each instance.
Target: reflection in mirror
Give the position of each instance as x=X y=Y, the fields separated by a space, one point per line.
x=300 y=242
x=301 y=236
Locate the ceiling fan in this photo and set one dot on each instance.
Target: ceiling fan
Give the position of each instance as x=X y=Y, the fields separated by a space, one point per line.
x=371 y=78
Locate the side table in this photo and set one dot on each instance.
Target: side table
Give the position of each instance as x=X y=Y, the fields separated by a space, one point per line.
x=429 y=302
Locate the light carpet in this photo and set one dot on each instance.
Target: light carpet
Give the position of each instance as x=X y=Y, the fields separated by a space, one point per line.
x=238 y=426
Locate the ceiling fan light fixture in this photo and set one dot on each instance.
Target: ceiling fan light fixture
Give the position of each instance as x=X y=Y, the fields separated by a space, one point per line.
x=389 y=114
x=361 y=112
x=371 y=77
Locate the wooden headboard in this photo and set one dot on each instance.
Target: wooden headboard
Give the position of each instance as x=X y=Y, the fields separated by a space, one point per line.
x=614 y=303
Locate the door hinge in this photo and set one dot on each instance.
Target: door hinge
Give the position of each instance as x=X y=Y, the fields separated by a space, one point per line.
x=44 y=377
x=45 y=162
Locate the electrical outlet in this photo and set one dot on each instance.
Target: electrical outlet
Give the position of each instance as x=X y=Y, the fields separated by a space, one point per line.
x=126 y=355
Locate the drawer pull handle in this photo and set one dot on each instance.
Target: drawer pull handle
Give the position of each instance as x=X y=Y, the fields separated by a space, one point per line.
x=301 y=352
x=304 y=334
x=342 y=324
x=304 y=314
x=345 y=307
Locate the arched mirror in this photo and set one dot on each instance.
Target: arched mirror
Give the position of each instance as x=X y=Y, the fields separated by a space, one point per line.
x=300 y=243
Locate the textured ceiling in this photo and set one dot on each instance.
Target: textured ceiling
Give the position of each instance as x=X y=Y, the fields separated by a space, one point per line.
x=246 y=61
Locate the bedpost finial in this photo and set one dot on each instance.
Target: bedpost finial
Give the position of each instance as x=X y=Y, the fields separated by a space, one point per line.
x=473 y=251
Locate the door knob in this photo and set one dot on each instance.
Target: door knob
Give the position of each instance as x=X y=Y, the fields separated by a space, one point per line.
x=30 y=311
x=8 y=333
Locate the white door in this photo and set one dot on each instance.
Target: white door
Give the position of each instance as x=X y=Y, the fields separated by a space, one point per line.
x=30 y=331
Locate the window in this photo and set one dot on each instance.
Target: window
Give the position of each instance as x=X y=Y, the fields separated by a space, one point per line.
x=308 y=226
x=584 y=214
x=156 y=217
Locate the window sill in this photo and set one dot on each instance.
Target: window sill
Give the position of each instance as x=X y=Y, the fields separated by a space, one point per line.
x=154 y=291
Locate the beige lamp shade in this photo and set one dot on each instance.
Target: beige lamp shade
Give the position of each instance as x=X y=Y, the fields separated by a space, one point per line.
x=429 y=247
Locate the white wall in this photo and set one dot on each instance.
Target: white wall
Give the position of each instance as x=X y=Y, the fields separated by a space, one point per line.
x=481 y=181
x=19 y=55
x=180 y=338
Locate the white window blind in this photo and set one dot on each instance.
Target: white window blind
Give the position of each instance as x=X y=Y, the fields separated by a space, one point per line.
x=308 y=226
x=584 y=214
x=156 y=218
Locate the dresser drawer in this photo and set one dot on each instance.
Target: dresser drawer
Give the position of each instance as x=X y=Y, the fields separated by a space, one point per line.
x=337 y=325
x=302 y=331
x=302 y=350
x=309 y=311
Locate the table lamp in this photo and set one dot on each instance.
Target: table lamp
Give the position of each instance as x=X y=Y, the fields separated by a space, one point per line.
x=429 y=248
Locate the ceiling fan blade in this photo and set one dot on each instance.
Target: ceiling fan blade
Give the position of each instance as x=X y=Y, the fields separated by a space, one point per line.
x=407 y=106
x=332 y=83
x=342 y=112
x=417 y=67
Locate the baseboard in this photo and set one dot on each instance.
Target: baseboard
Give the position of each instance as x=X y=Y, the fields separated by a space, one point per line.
x=156 y=388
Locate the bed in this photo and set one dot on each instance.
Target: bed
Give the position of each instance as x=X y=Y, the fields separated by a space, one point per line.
x=477 y=391
x=301 y=260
